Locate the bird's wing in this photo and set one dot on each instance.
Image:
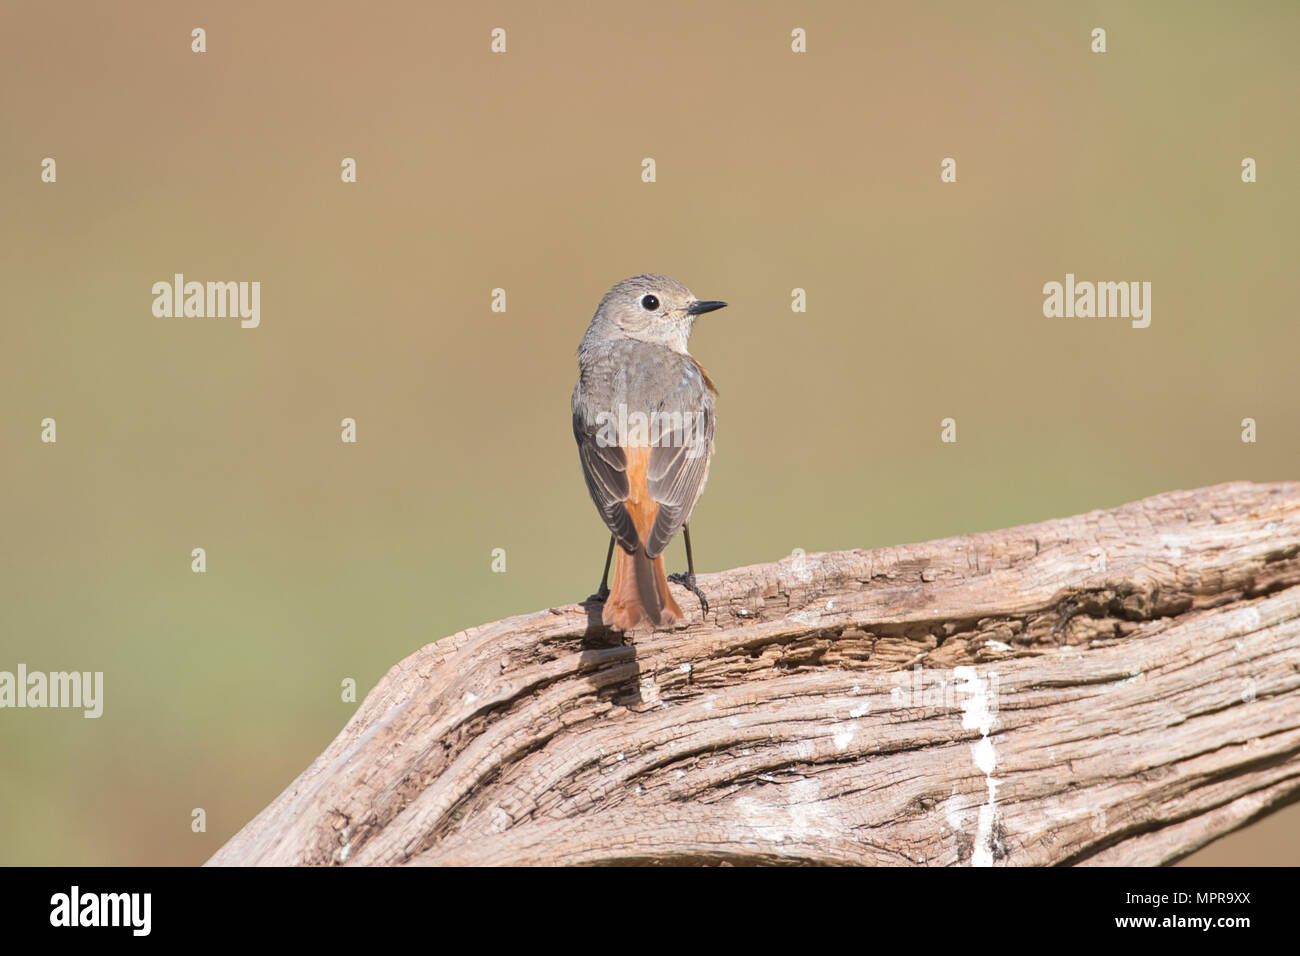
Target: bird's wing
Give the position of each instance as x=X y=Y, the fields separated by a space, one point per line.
x=604 y=466
x=679 y=467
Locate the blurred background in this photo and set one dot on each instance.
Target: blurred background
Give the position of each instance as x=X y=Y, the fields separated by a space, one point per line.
x=522 y=171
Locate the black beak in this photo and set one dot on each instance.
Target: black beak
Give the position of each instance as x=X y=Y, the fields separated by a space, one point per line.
x=699 y=308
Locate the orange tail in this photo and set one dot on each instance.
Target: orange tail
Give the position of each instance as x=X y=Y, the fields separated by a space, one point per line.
x=640 y=589
x=639 y=593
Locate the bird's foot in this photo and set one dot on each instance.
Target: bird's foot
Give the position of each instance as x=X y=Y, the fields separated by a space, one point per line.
x=688 y=581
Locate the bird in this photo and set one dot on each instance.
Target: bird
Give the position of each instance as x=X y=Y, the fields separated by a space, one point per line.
x=643 y=418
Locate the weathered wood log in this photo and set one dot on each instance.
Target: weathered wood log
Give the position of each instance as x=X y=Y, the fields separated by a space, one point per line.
x=1118 y=687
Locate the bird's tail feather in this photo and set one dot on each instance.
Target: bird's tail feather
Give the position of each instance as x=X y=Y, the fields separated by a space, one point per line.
x=639 y=593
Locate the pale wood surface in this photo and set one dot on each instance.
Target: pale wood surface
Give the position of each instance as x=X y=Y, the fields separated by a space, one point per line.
x=1118 y=687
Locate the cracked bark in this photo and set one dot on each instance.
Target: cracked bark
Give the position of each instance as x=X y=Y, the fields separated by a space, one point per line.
x=1119 y=687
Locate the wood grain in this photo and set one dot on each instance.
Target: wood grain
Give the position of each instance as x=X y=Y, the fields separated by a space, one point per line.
x=1118 y=687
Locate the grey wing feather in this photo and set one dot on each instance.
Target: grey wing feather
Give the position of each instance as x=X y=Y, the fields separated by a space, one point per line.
x=605 y=469
x=678 y=469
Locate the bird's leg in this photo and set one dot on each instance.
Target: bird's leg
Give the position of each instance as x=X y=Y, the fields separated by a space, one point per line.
x=603 y=592
x=687 y=580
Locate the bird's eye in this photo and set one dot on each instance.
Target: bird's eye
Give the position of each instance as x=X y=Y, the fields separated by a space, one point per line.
x=650 y=303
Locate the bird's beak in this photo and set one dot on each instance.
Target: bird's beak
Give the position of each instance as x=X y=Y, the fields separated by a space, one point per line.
x=699 y=308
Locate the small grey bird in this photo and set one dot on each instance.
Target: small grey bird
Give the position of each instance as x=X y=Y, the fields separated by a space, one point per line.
x=643 y=420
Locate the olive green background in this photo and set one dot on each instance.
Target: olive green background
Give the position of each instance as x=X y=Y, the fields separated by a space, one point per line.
x=522 y=171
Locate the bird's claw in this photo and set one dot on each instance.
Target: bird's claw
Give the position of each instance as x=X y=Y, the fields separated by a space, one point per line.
x=688 y=581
